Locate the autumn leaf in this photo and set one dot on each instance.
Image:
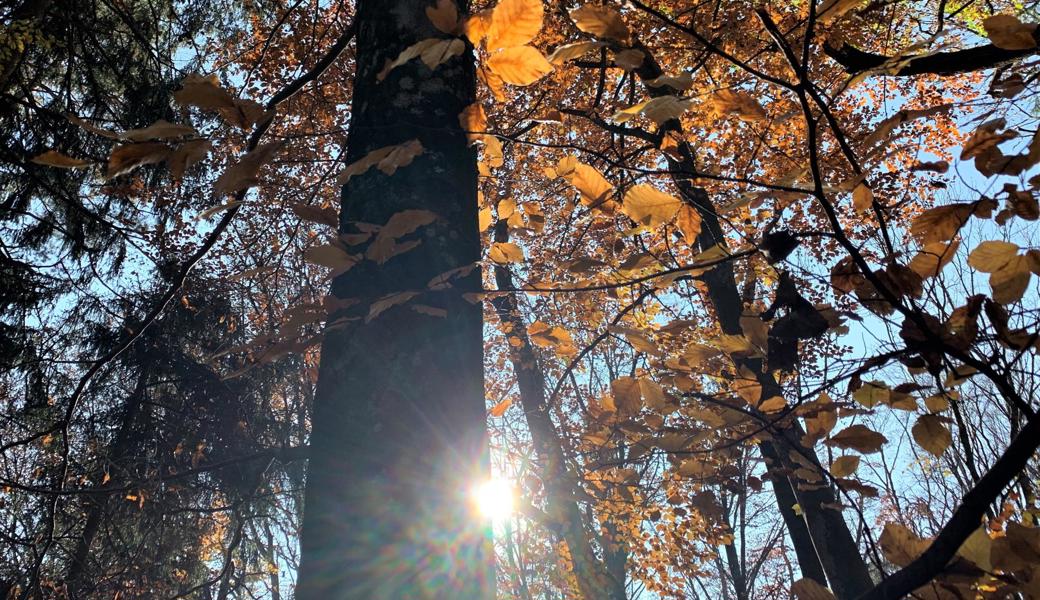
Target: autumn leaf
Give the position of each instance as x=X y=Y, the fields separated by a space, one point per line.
x=942 y=223
x=627 y=395
x=203 y=92
x=331 y=256
x=807 y=589
x=500 y=409
x=900 y=545
x=658 y=110
x=242 y=174
x=931 y=434
x=317 y=214
x=160 y=130
x=387 y=159
x=127 y=157
x=862 y=198
x=741 y=104
x=859 y=438
x=505 y=253
x=933 y=257
x=400 y=224
x=514 y=23
x=53 y=158
x=649 y=206
x=185 y=155
x=843 y=466
x=519 y=65
x=433 y=52
x=992 y=256
x=1008 y=33
x=688 y=221
x=567 y=52
x=444 y=16
x=593 y=187
x=386 y=302
x=602 y=22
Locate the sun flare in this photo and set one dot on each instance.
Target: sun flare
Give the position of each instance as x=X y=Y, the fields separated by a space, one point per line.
x=495 y=499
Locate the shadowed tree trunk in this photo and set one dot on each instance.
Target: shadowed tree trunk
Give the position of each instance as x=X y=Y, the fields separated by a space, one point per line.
x=398 y=435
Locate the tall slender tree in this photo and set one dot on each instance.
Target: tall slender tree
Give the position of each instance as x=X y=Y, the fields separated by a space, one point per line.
x=398 y=431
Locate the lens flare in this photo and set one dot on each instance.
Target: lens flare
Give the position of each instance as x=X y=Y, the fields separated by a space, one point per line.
x=494 y=499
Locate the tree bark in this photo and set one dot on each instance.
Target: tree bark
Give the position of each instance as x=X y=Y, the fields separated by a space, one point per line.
x=398 y=427
x=594 y=577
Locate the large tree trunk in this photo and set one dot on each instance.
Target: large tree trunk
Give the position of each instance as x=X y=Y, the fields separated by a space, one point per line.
x=398 y=436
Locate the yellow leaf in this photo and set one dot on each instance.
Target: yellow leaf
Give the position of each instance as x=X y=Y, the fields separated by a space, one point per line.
x=444 y=50
x=573 y=51
x=475 y=27
x=242 y=174
x=992 y=256
x=649 y=206
x=186 y=155
x=444 y=16
x=1008 y=33
x=843 y=466
x=746 y=386
x=485 y=218
x=658 y=110
x=1009 y=283
x=500 y=409
x=653 y=394
x=627 y=395
x=514 y=23
x=505 y=252
x=53 y=158
x=871 y=394
x=519 y=65
x=933 y=257
x=601 y=22
x=679 y=83
x=943 y=222
x=594 y=188
x=473 y=120
x=388 y=301
x=630 y=59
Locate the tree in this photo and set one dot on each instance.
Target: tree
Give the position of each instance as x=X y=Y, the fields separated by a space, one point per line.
x=398 y=439
x=757 y=284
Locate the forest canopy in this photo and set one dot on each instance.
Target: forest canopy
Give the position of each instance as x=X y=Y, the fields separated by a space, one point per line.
x=587 y=299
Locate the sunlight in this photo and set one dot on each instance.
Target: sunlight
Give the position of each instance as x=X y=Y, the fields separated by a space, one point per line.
x=494 y=499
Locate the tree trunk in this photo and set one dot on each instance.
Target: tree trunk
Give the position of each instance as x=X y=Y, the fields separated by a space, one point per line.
x=594 y=578
x=398 y=437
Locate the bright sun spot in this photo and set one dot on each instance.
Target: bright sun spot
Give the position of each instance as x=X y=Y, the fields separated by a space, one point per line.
x=494 y=499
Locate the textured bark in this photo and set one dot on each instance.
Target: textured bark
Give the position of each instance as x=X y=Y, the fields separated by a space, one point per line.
x=823 y=542
x=595 y=578
x=398 y=436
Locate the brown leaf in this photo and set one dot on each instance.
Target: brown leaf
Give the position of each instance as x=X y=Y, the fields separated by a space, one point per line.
x=387 y=159
x=242 y=174
x=807 y=589
x=900 y=545
x=444 y=16
x=317 y=214
x=573 y=51
x=843 y=466
x=127 y=157
x=185 y=155
x=505 y=253
x=859 y=438
x=385 y=245
x=53 y=158
x=160 y=130
x=204 y=92
x=500 y=409
x=1008 y=33
x=331 y=256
